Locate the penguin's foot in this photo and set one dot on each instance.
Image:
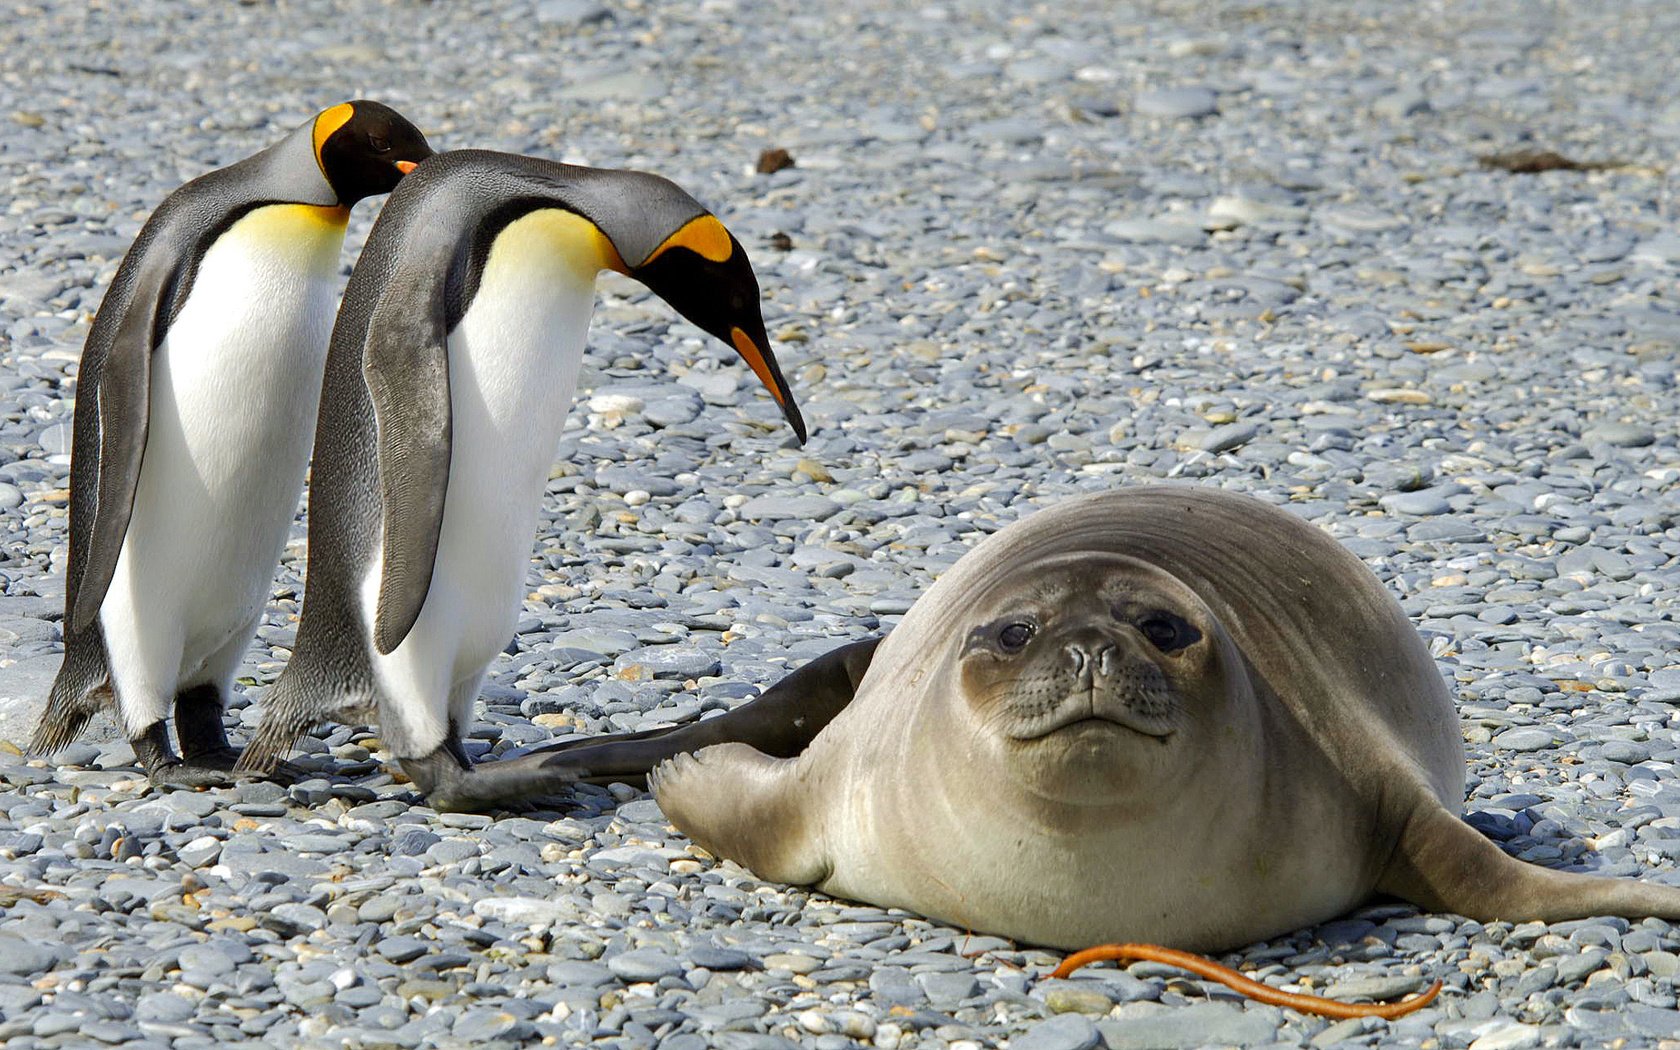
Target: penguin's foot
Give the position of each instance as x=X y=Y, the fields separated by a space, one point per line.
x=217 y=769
x=203 y=766
x=177 y=773
x=454 y=786
x=198 y=725
x=225 y=757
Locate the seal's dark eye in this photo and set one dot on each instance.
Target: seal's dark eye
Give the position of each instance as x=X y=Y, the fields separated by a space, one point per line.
x=379 y=143
x=1167 y=632
x=1015 y=635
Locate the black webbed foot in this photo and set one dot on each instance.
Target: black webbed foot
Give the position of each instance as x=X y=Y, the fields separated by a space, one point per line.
x=453 y=786
x=165 y=769
x=185 y=775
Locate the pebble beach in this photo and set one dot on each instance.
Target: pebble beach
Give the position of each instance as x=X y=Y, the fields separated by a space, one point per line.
x=1410 y=271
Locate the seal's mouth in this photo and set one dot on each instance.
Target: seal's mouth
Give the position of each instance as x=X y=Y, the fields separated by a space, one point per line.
x=1099 y=723
x=1090 y=710
x=1139 y=726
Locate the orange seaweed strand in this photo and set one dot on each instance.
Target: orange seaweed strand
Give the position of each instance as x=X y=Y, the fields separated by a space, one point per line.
x=1205 y=967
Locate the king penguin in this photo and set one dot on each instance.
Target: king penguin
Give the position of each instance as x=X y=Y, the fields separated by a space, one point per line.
x=452 y=368
x=194 y=418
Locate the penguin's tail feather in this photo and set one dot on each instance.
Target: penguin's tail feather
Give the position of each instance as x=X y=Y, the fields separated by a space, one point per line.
x=286 y=717
x=81 y=690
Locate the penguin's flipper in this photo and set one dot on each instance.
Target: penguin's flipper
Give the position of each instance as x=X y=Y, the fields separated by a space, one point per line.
x=405 y=361
x=111 y=424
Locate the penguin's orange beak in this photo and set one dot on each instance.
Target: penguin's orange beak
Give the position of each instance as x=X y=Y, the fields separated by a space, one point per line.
x=405 y=166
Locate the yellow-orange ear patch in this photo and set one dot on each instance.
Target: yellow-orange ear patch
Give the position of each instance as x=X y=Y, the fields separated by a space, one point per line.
x=329 y=121
x=704 y=236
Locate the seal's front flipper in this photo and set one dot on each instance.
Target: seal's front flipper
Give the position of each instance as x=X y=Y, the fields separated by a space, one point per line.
x=781 y=722
x=744 y=805
x=1443 y=864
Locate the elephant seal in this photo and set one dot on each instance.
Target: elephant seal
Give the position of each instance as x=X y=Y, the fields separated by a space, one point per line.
x=1167 y=714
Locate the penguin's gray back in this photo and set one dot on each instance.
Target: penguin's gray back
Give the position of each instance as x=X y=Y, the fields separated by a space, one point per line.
x=193 y=426
x=383 y=447
x=423 y=257
x=163 y=262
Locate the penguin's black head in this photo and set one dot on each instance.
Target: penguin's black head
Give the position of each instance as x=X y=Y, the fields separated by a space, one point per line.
x=364 y=147
x=703 y=272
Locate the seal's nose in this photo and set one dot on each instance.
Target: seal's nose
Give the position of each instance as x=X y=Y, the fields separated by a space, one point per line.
x=1093 y=657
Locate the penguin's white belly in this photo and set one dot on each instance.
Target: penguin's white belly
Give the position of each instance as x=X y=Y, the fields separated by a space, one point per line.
x=513 y=366
x=234 y=391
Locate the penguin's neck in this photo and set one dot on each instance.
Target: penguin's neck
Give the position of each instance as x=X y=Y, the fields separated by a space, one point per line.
x=299 y=238
x=515 y=355
x=553 y=245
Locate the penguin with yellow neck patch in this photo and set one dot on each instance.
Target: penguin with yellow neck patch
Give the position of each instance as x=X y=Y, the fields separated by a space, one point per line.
x=195 y=413
x=452 y=368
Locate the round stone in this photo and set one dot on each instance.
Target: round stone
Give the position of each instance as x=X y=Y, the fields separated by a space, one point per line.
x=1177 y=103
x=719 y=958
x=782 y=508
x=22 y=958
x=1068 y=1031
x=644 y=964
x=1528 y=739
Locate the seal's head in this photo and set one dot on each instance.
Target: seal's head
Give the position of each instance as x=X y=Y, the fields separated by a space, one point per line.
x=1092 y=674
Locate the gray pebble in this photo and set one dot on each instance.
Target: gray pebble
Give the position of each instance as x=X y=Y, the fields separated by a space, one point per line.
x=668 y=661
x=571 y=12
x=1622 y=435
x=1177 y=103
x=644 y=964
x=780 y=508
x=413 y=842
x=720 y=958
x=22 y=958
x=1422 y=503
x=1404 y=102
x=1230 y=436
x=401 y=950
x=1210 y=1024
x=1627 y=752
x=1524 y=740
x=946 y=990
x=1063 y=1032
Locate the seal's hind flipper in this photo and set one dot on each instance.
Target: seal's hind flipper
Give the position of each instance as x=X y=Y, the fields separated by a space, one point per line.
x=452 y=784
x=781 y=722
x=742 y=804
x=1443 y=864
